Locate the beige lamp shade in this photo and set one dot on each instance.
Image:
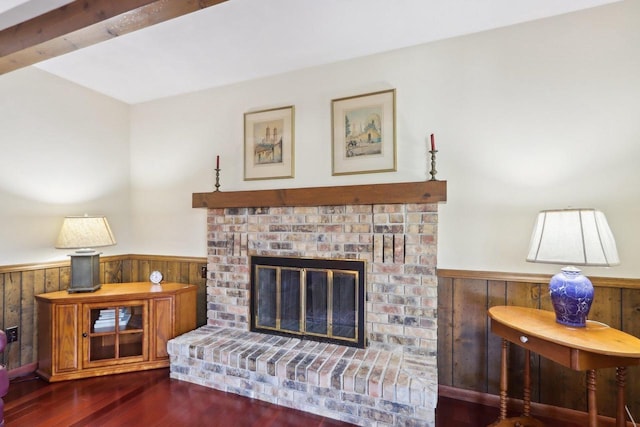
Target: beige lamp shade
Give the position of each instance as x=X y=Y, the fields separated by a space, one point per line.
x=85 y=232
x=573 y=237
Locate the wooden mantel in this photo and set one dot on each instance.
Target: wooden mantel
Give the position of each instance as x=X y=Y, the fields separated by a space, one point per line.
x=406 y=192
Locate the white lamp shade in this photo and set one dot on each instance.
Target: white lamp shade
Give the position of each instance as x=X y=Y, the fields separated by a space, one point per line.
x=573 y=237
x=85 y=232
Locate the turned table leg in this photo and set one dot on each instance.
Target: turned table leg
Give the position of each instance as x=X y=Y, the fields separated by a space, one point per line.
x=591 y=395
x=503 y=380
x=621 y=416
x=527 y=384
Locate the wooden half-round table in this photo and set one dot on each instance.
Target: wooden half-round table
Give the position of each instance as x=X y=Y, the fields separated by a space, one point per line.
x=592 y=347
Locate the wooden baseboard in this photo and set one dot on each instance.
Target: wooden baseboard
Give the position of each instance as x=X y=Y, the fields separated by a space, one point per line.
x=23 y=370
x=537 y=409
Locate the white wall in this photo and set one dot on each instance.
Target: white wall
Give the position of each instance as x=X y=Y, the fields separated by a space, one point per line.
x=64 y=151
x=535 y=116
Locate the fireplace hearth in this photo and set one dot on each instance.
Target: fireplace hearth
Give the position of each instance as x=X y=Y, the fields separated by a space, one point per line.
x=317 y=299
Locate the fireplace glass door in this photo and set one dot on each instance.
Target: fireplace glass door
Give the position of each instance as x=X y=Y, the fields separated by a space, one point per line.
x=343 y=319
x=278 y=298
x=316 y=299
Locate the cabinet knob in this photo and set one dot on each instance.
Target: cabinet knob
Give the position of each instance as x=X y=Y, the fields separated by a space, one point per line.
x=523 y=339
x=84 y=335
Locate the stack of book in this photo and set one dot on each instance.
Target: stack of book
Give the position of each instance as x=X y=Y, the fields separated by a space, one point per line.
x=106 y=321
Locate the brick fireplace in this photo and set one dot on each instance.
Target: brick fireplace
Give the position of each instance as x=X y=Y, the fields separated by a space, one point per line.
x=392 y=381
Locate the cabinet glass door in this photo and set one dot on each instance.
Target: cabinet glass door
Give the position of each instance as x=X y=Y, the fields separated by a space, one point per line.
x=116 y=331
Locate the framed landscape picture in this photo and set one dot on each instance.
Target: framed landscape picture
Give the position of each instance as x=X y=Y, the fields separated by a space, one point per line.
x=268 y=144
x=364 y=134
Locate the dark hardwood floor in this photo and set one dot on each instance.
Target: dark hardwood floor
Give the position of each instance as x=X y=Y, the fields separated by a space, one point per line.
x=151 y=398
x=147 y=399
x=452 y=412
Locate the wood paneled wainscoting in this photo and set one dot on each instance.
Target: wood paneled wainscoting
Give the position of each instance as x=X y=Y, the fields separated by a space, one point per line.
x=20 y=283
x=469 y=355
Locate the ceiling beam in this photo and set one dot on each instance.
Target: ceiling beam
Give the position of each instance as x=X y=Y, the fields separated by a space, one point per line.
x=83 y=23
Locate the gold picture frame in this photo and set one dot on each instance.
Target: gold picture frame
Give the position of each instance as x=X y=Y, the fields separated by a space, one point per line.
x=364 y=133
x=269 y=144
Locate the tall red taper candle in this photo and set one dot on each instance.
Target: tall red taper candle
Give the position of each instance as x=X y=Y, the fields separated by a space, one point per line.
x=433 y=143
x=218 y=160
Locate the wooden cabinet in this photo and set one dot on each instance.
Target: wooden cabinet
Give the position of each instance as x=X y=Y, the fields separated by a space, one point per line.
x=118 y=328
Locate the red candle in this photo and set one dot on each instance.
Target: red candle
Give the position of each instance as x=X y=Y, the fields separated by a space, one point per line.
x=433 y=143
x=218 y=161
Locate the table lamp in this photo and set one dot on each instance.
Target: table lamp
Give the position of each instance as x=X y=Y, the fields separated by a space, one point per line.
x=85 y=233
x=572 y=237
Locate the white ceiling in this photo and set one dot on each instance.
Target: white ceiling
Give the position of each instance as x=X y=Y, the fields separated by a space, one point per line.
x=247 y=39
x=15 y=11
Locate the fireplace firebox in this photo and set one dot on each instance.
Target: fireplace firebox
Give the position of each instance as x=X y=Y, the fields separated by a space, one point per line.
x=317 y=299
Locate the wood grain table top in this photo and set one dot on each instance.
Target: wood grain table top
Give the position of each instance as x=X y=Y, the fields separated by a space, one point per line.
x=118 y=290
x=596 y=337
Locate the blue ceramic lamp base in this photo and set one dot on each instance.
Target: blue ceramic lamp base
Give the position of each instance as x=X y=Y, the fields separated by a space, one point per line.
x=571 y=296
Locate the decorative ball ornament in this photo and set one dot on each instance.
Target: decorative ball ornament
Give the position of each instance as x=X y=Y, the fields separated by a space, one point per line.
x=571 y=296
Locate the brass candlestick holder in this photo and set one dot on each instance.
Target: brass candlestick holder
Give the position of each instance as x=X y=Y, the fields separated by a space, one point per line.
x=433 y=171
x=217 y=179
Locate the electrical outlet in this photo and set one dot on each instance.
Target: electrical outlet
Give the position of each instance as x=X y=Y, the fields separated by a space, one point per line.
x=203 y=271
x=12 y=334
